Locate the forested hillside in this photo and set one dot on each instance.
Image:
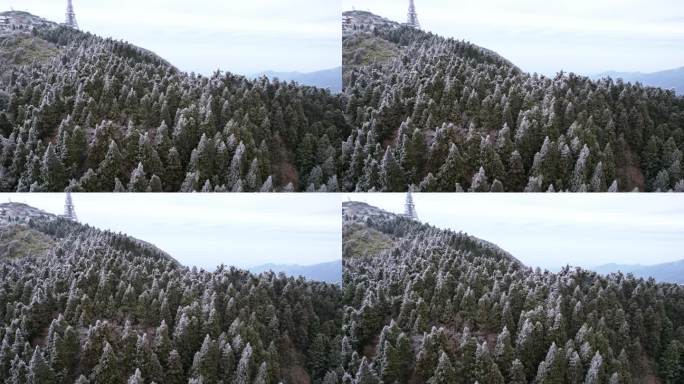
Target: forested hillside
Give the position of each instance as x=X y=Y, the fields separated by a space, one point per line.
x=425 y=305
x=100 y=307
x=91 y=114
x=446 y=115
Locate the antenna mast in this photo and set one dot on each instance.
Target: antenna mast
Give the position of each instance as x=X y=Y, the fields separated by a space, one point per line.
x=70 y=16
x=69 y=210
x=412 y=16
x=410 y=207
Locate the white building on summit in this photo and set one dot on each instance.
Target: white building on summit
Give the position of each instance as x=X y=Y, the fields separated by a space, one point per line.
x=70 y=16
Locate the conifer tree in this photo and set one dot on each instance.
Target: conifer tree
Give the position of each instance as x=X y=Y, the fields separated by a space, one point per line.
x=52 y=170
x=107 y=369
x=39 y=372
x=138 y=181
x=445 y=372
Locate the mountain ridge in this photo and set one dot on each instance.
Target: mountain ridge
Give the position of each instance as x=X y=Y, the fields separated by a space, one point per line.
x=672 y=79
x=360 y=212
x=671 y=272
x=20 y=213
x=330 y=272
x=330 y=78
x=26 y=21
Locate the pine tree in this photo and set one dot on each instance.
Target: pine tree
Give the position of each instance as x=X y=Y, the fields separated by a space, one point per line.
x=63 y=353
x=262 y=374
x=515 y=179
x=598 y=182
x=391 y=174
x=173 y=174
x=155 y=184
x=267 y=186
x=451 y=172
x=138 y=181
x=365 y=375
x=595 y=373
x=111 y=167
x=486 y=370
x=575 y=369
x=136 y=378
x=445 y=373
x=670 y=362
x=580 y=173
x=331 y=378
x=253 y=179
x=107 y=369
x=205 y=362
x=503 y=351
x=39 y=372
x=19 y=372
x=149 y=156
x=480 y=182
x=517 y=373
x=390 y=365
x=318 y=360
x=243 y=373
x=52 y=171
x=174 y=369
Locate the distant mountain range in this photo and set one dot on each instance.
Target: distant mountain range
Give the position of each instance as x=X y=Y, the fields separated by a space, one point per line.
x=667 y=272
x=670 y=79
x=327 y=78
x=326 y=272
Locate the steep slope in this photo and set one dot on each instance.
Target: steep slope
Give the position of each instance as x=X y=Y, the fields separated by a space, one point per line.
x=18 y=44
x=101 y=307
x=82 y=112
x=666 y=272
x=669 y=79
x=22 y=41
x=447 y=115
x=17 y=238
x=434 y=306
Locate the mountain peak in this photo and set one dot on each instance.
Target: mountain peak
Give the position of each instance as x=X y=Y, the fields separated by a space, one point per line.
x=357 y=214
x=22 y=212
x=10 y=20
x=360 y=211
x=364 y=21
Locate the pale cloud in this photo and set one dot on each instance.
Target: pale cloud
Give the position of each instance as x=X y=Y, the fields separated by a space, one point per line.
x=552 y=230
x=206 y=35
x=583 y=36
x=206 y=230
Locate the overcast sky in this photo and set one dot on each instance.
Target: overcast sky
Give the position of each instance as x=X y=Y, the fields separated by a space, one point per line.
x=204 y=35
x=582 y=36
x=553 y=230
x=206 y=230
